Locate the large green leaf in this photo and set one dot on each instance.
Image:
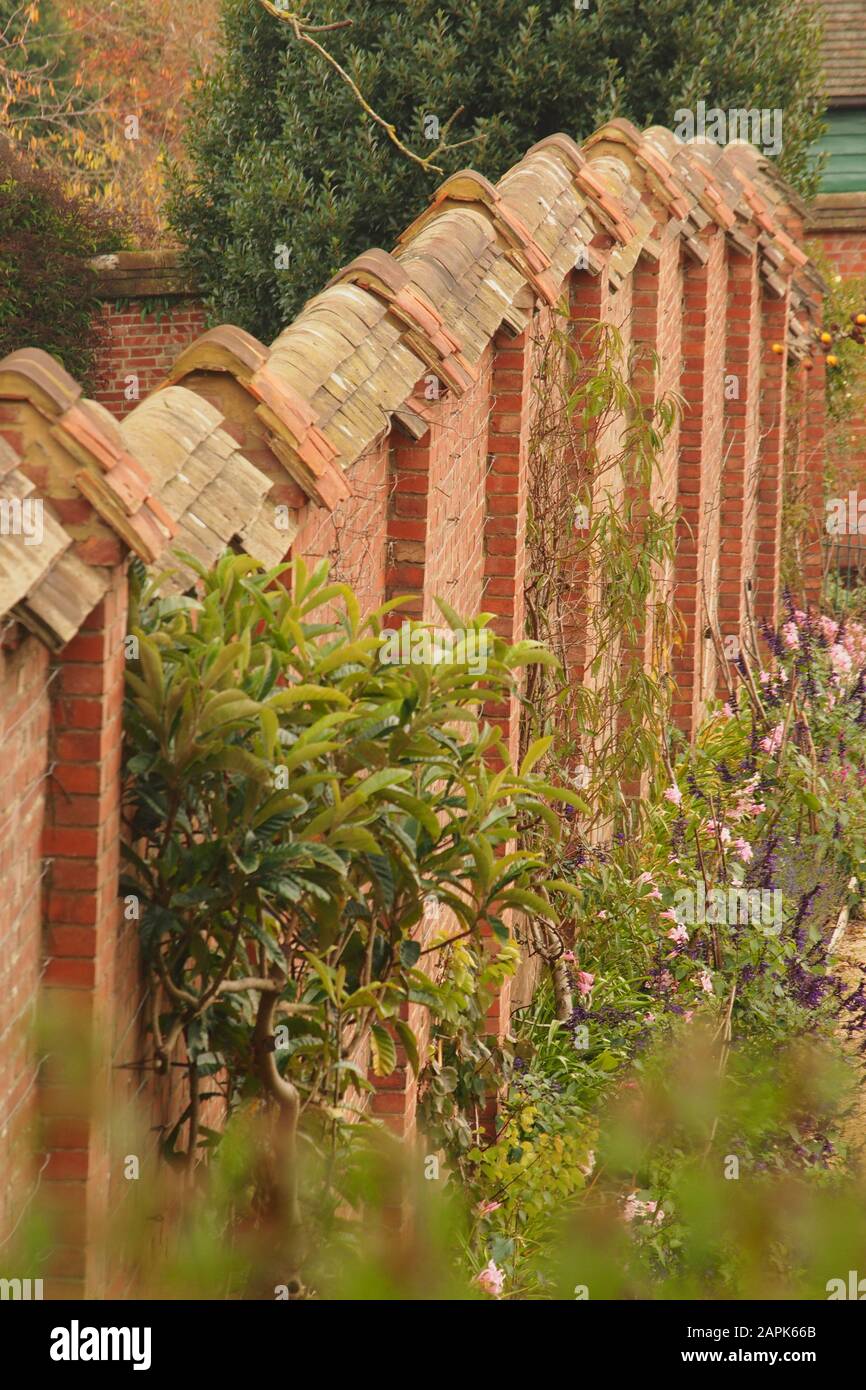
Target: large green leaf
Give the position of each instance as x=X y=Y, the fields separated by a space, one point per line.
x=383 y=1050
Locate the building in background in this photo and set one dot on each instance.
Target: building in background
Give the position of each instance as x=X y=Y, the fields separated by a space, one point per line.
x=840 y=208
x=838 y=223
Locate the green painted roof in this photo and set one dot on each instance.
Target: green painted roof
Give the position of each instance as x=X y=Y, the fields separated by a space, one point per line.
x=845 y=144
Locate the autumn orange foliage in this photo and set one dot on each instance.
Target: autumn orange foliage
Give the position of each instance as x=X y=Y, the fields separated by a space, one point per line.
x=95 y=89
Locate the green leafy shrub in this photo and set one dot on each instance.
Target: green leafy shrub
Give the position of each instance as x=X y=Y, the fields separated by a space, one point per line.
x=47 y=291
x=298 y=804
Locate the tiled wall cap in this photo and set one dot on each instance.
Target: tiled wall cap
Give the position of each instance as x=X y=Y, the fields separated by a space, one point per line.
x=562 y=145
x=226 y=348
x=614 y=214
x=468 y=186
x=375 y=269
x=42 y=380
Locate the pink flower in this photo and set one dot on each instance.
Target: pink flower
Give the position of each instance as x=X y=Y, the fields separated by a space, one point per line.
x=724 y=833
x=648 y=878
x=635 y=1207
x=727 y=711
x=649 y=1018
x=585 y=981
x=706 y=981
x=790 y=636
x=744 y=850
x=485 y=1208
x=673 y=794
x=773 y=742
x=667 y=981
x=678 y=934
x=569 y=956
x=491 y=1280
x=688 y=1015
x=840 y=660
x=669 y=914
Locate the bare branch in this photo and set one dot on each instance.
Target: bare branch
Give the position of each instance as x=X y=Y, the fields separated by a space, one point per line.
x=303 y=32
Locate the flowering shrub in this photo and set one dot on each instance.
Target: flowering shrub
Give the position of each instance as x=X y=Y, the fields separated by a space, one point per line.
x=713 y=925
x=753 y=841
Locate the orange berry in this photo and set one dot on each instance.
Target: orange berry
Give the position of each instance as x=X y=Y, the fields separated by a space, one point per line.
x=860 y=319
x=777 y=347
x=832 y=360
x=826 y=337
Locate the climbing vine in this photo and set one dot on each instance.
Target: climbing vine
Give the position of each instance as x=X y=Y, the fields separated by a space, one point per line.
x=598 y=588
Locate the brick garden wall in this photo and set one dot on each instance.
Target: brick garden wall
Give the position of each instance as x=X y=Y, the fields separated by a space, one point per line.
x=149 y=314
x=439 y=510
x=24 y=723
x=838 y=224
x=138 y=347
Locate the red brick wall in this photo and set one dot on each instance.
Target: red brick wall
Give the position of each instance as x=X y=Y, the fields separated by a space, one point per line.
x=738 y=518
x=845 y=248
x=24 y=720
x=771 y=453
x=83 y=992
x=436 y=510
x=138 y=345
x=456 y=500
x=352 y=537
x=507 y=485
x=657 y=328
x=591 y=303
x=700 y=481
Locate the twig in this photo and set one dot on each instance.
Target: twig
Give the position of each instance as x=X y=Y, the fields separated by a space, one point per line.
x=303 y=32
